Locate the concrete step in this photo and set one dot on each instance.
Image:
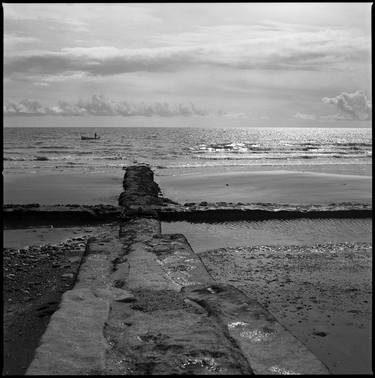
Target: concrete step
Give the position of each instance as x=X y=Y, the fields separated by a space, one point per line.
x=265 y=343
x=160 y=332
x=145 y=304
x=73 y=343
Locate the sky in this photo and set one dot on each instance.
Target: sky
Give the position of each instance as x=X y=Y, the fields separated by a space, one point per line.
x=306 y=61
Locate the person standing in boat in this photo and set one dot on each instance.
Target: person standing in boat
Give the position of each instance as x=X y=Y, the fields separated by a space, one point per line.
x=95 y=135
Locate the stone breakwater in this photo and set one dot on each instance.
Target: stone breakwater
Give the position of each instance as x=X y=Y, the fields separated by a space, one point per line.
x=144 y=303
x=141 y=195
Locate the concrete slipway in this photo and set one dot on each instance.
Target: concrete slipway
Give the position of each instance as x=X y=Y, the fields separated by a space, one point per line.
x=144 y=303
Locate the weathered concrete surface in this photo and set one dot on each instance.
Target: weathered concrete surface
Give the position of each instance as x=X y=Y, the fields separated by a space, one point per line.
x=144 y=303
x=161 y=333
x=267 y=345
x=137 y=309
x=181 y=265
x=73 y=342
x=172 y=327
x=151 y=260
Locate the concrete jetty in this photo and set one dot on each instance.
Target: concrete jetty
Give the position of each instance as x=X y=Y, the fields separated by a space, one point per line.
x=144 y=303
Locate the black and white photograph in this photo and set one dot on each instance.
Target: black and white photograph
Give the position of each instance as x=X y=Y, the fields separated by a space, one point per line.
x=187 y=188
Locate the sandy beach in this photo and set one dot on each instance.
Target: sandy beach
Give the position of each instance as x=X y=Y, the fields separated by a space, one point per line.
x=313 y=275
x=255 y=184
x=320 y=292
x=282 y=186
x=65 y=188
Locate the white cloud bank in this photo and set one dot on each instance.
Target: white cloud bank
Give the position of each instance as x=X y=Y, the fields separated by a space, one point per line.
x=351 y=105
x=98 y=105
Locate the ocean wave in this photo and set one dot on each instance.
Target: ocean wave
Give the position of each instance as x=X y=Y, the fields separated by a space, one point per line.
x=184 y=147
x=83 y=153
x=56 y=147
x=236 y=163
x=63 y=158
x=28 y=147
x=69 y=164
x=284 y=146
x=59 y=152
x=350 y=144
x=15 y=159
x=108 y=158
x=52 y=152
x=287 y=156
x=233 y=147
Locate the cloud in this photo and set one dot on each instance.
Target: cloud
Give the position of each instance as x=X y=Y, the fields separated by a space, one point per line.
x=307 y=117
x=79 y=16
x=98 y=105
x=239 y=115
x=14 y=40
x=25 y=107
x=66 y=109
x=102 y=61
x=43 y=13
x=267 y=46
x=351 y=105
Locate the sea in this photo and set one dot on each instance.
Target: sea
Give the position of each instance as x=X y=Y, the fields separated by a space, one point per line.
x=53 y=144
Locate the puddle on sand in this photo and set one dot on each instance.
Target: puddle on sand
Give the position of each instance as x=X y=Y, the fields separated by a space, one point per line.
x=208 y=236
x=21 y=238
x=246 y=331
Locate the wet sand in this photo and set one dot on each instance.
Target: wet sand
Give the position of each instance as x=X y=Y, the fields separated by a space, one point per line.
x=321 y=293
x=22 y=238
x=292 y=184
x=51 y=189
x=267 y=186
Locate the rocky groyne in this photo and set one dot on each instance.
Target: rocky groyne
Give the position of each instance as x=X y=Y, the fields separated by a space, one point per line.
x=144 y=303
x=141 y=195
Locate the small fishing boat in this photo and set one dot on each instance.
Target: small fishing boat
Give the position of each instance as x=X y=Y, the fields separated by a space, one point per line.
x=89 y=138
